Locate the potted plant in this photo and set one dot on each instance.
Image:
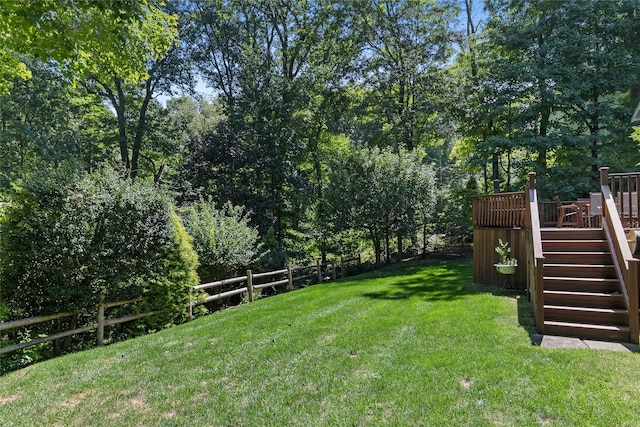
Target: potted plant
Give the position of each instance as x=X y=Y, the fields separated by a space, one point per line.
x=507 y=265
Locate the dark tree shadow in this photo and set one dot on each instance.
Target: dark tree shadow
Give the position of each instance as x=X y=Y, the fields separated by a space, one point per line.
x=436 y=281
x=446 y=281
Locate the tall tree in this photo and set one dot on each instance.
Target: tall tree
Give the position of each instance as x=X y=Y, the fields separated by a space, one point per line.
x=372 y=189
x=551 y=99
x=83 y=37
x=44 y=121
x=275 y=66
x=407 y=44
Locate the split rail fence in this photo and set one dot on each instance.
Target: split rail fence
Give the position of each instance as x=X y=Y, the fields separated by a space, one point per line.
x=198 y=295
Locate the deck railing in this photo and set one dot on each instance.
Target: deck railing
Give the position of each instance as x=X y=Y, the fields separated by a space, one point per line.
x=624 y=191
x=502 y=210
x=626 y=266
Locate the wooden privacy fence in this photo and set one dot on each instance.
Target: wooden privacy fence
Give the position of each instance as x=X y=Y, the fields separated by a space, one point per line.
x=200 y=294
x=502 y=210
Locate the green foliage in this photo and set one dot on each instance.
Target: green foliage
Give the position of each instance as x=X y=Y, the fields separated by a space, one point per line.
x=223 y=238
x=635 y=135
x=453 y=210
x=86 y=37
x=380 y=192
x=551 y=74
x=46 y=122
x=504 y=250
x=176 y=274
x=70 y=242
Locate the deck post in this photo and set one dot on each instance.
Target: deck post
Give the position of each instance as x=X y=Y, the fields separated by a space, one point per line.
x=532 y=180
x=604 y=180
x=604 y=176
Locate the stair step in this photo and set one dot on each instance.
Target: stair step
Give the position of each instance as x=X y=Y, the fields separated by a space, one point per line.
x=589 y=315
x=581 y=284
x=584 y=299
x=571 y=234
x=591 y=257
x=575 y=245
x=601 y=271
x=586 y=330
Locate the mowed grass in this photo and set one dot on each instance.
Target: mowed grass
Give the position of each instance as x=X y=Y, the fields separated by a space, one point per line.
x=415 y=345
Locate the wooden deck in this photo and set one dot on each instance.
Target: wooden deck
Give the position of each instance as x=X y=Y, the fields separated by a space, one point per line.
x=582 y=281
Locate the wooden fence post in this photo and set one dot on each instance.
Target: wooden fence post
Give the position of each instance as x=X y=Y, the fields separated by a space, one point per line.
x=290 y=277
x=341 y=266
x=250 y=285
x=190 y=304
x=333 y=269
x=100 y=331
x=319 y=271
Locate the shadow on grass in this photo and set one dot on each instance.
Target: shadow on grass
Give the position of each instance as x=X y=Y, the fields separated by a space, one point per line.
x=445 y=281
x=434 y=281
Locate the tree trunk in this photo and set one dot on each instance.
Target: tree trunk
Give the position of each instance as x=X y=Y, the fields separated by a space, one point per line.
x=378 y=249
x=424 y=239
x=387 y=246
x=119 y=105
x=140 y=128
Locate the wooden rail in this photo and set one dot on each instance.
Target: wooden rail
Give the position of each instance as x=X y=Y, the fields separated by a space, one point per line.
x=503 y=210
x=248 y=283
x=626 y=266
x=624 y=191
x=535 y=256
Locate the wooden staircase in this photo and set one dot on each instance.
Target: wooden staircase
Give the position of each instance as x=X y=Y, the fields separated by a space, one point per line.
x=582 y=295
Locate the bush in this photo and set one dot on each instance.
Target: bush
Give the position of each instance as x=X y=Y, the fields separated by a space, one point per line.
x=223 y=238
x=70 y=242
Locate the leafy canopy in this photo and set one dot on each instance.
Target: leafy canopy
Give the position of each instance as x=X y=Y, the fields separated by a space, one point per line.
x=91 y=37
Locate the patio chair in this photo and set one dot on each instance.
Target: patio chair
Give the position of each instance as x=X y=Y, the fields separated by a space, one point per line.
x=568 y=214
x=595 y=210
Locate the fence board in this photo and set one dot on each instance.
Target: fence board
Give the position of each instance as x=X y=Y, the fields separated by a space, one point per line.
x=31 y=321
x=269 y=273
x=221 y=283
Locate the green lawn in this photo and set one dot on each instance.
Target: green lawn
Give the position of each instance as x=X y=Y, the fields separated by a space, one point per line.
x=412 y=345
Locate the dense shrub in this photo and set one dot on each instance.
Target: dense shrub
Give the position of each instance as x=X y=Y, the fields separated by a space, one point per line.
x=70 y=242
x=223 y=238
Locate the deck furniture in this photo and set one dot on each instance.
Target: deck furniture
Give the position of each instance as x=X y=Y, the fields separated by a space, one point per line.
x=569 y=214
x=595 y=210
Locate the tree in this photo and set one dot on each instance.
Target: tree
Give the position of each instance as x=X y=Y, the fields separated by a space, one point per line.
x=92 y=37
x=223 y=238
x=270 y=63
x=372 y=189
x=406 y=45
x=44 y=121
x=551 y=101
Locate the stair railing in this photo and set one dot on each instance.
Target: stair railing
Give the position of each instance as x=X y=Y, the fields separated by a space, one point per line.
x=535 y=257
x=626 y=266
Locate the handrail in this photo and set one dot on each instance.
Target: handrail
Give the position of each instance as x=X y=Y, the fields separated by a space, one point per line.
x=626 y=266
x=535 y=255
